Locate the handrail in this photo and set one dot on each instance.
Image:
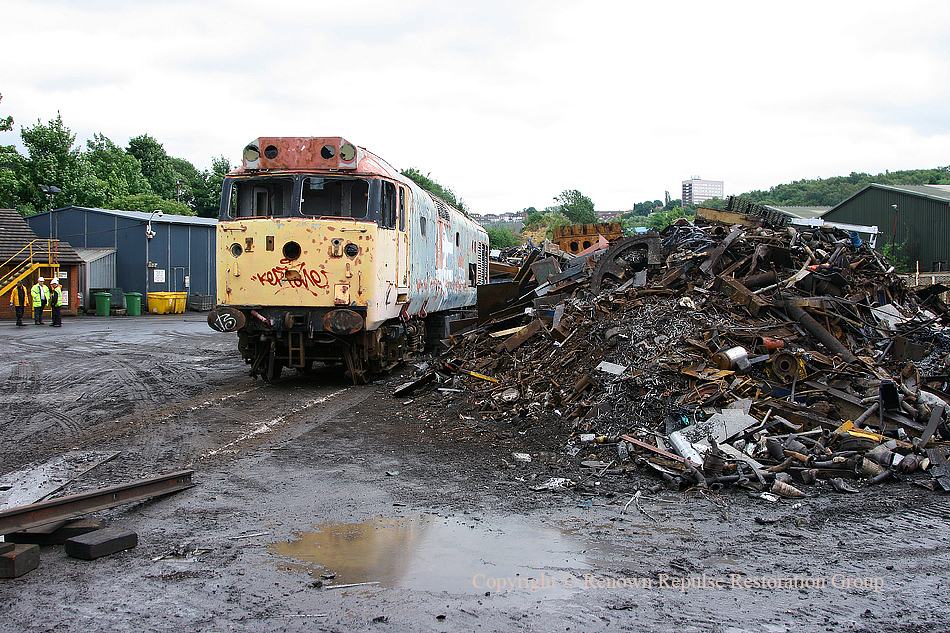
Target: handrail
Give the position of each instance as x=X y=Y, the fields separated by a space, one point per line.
x=51 y=258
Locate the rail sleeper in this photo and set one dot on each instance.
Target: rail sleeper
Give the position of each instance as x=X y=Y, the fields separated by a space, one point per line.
x=99 y=543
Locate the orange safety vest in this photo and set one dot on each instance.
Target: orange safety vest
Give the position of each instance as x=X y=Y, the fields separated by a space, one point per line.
x=56 y=296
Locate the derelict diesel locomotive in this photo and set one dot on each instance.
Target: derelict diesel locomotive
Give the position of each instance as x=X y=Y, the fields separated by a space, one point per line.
x=327 y=253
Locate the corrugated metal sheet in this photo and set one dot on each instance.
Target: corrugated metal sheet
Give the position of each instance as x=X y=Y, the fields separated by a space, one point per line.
x=921 y=220
x=805 y=213
x=100 y=267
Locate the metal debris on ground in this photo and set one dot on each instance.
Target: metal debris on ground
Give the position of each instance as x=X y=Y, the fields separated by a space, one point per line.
x=734 y=350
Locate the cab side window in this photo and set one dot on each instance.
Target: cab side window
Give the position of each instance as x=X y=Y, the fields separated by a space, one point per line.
x=387 y=211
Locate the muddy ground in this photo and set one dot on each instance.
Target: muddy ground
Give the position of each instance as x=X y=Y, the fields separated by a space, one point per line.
x=314 y=484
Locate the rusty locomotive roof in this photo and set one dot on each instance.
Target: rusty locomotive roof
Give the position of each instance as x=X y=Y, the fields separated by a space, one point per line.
x=311 y=154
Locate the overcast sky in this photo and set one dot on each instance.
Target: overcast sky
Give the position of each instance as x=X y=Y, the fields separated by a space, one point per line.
x=507 y=102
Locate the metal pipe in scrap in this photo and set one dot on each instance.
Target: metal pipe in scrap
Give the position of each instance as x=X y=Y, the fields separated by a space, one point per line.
x=814 y=328
x=761 y=280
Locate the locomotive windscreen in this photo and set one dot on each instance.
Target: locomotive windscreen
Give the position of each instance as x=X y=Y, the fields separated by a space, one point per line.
x=319 y=196
x=336 y=197
x=261 y=198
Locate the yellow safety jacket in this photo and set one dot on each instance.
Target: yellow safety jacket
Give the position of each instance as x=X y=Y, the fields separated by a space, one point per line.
x=40 y=294
x=19 y=296
x=56 y=296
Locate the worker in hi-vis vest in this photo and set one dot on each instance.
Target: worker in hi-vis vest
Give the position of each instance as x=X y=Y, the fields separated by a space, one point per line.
x=40 y=295
x=19 y=299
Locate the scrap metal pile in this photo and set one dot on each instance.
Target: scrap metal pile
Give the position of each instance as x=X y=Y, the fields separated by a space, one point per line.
x=733 y=350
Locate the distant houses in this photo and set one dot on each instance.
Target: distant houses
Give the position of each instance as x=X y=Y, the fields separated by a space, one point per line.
x=516 y=219
x=507 y=219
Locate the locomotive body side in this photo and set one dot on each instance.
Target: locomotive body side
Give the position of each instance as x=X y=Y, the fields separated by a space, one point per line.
x=326 y=253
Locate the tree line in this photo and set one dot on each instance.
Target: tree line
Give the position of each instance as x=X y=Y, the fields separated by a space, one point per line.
x=829 y=192
x=576 y=208
x=54 y=172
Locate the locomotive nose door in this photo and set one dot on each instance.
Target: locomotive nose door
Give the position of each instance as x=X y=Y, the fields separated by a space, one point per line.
x=387 y=248
x=402 y=238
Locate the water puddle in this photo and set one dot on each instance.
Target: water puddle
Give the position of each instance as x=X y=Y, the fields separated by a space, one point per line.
x=432 y=553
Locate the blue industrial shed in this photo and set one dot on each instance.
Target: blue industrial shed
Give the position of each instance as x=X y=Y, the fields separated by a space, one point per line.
x=154 y=253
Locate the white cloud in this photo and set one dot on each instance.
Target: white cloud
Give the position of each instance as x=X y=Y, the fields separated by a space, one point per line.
x=508 y=103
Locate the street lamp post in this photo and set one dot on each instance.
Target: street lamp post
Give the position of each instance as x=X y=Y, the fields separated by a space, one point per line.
x=50 y=191
x=149 y=234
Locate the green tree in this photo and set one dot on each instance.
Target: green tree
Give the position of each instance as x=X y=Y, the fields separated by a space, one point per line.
x=632 y=222
x=645 y=208
x=550 y=218
x=51 y=161
x=669 y=205
x=6 y=123
x=188 y=181
x=662 y=219
x=502 y=237
x=828 y=192
x=208 y=197
x=148 y=202
x=119 y=172
x=576 y=207
x=533 y=216
x=157 y=167
x=711 y=203
x=426 y=182
x=10 y=164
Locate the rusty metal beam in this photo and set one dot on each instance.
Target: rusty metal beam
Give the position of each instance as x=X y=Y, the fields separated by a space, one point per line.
x=708 y=265
x=936 y=417
x=815 y=329
x=34 y=515
x=520 y=336
x=736 y=291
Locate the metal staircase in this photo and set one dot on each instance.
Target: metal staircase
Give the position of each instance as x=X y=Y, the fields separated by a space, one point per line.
x=35 y=255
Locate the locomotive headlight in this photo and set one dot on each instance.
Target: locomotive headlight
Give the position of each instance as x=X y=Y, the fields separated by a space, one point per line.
x=347 y=151
x=351 y=250
x=236 y=249
x=291 y=250
x=252 y=153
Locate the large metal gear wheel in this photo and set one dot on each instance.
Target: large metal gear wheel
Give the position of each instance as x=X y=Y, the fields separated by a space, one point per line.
x=623 y=259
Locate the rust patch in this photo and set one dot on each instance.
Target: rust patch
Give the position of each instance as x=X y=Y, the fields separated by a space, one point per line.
x=342 y=322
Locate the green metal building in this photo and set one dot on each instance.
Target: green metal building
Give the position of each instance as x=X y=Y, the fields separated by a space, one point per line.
x=914 y=217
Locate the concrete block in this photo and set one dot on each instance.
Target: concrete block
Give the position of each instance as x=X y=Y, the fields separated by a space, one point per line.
x=100 y=543
x=55 y=533
x=6 y=546
x=20 y=560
